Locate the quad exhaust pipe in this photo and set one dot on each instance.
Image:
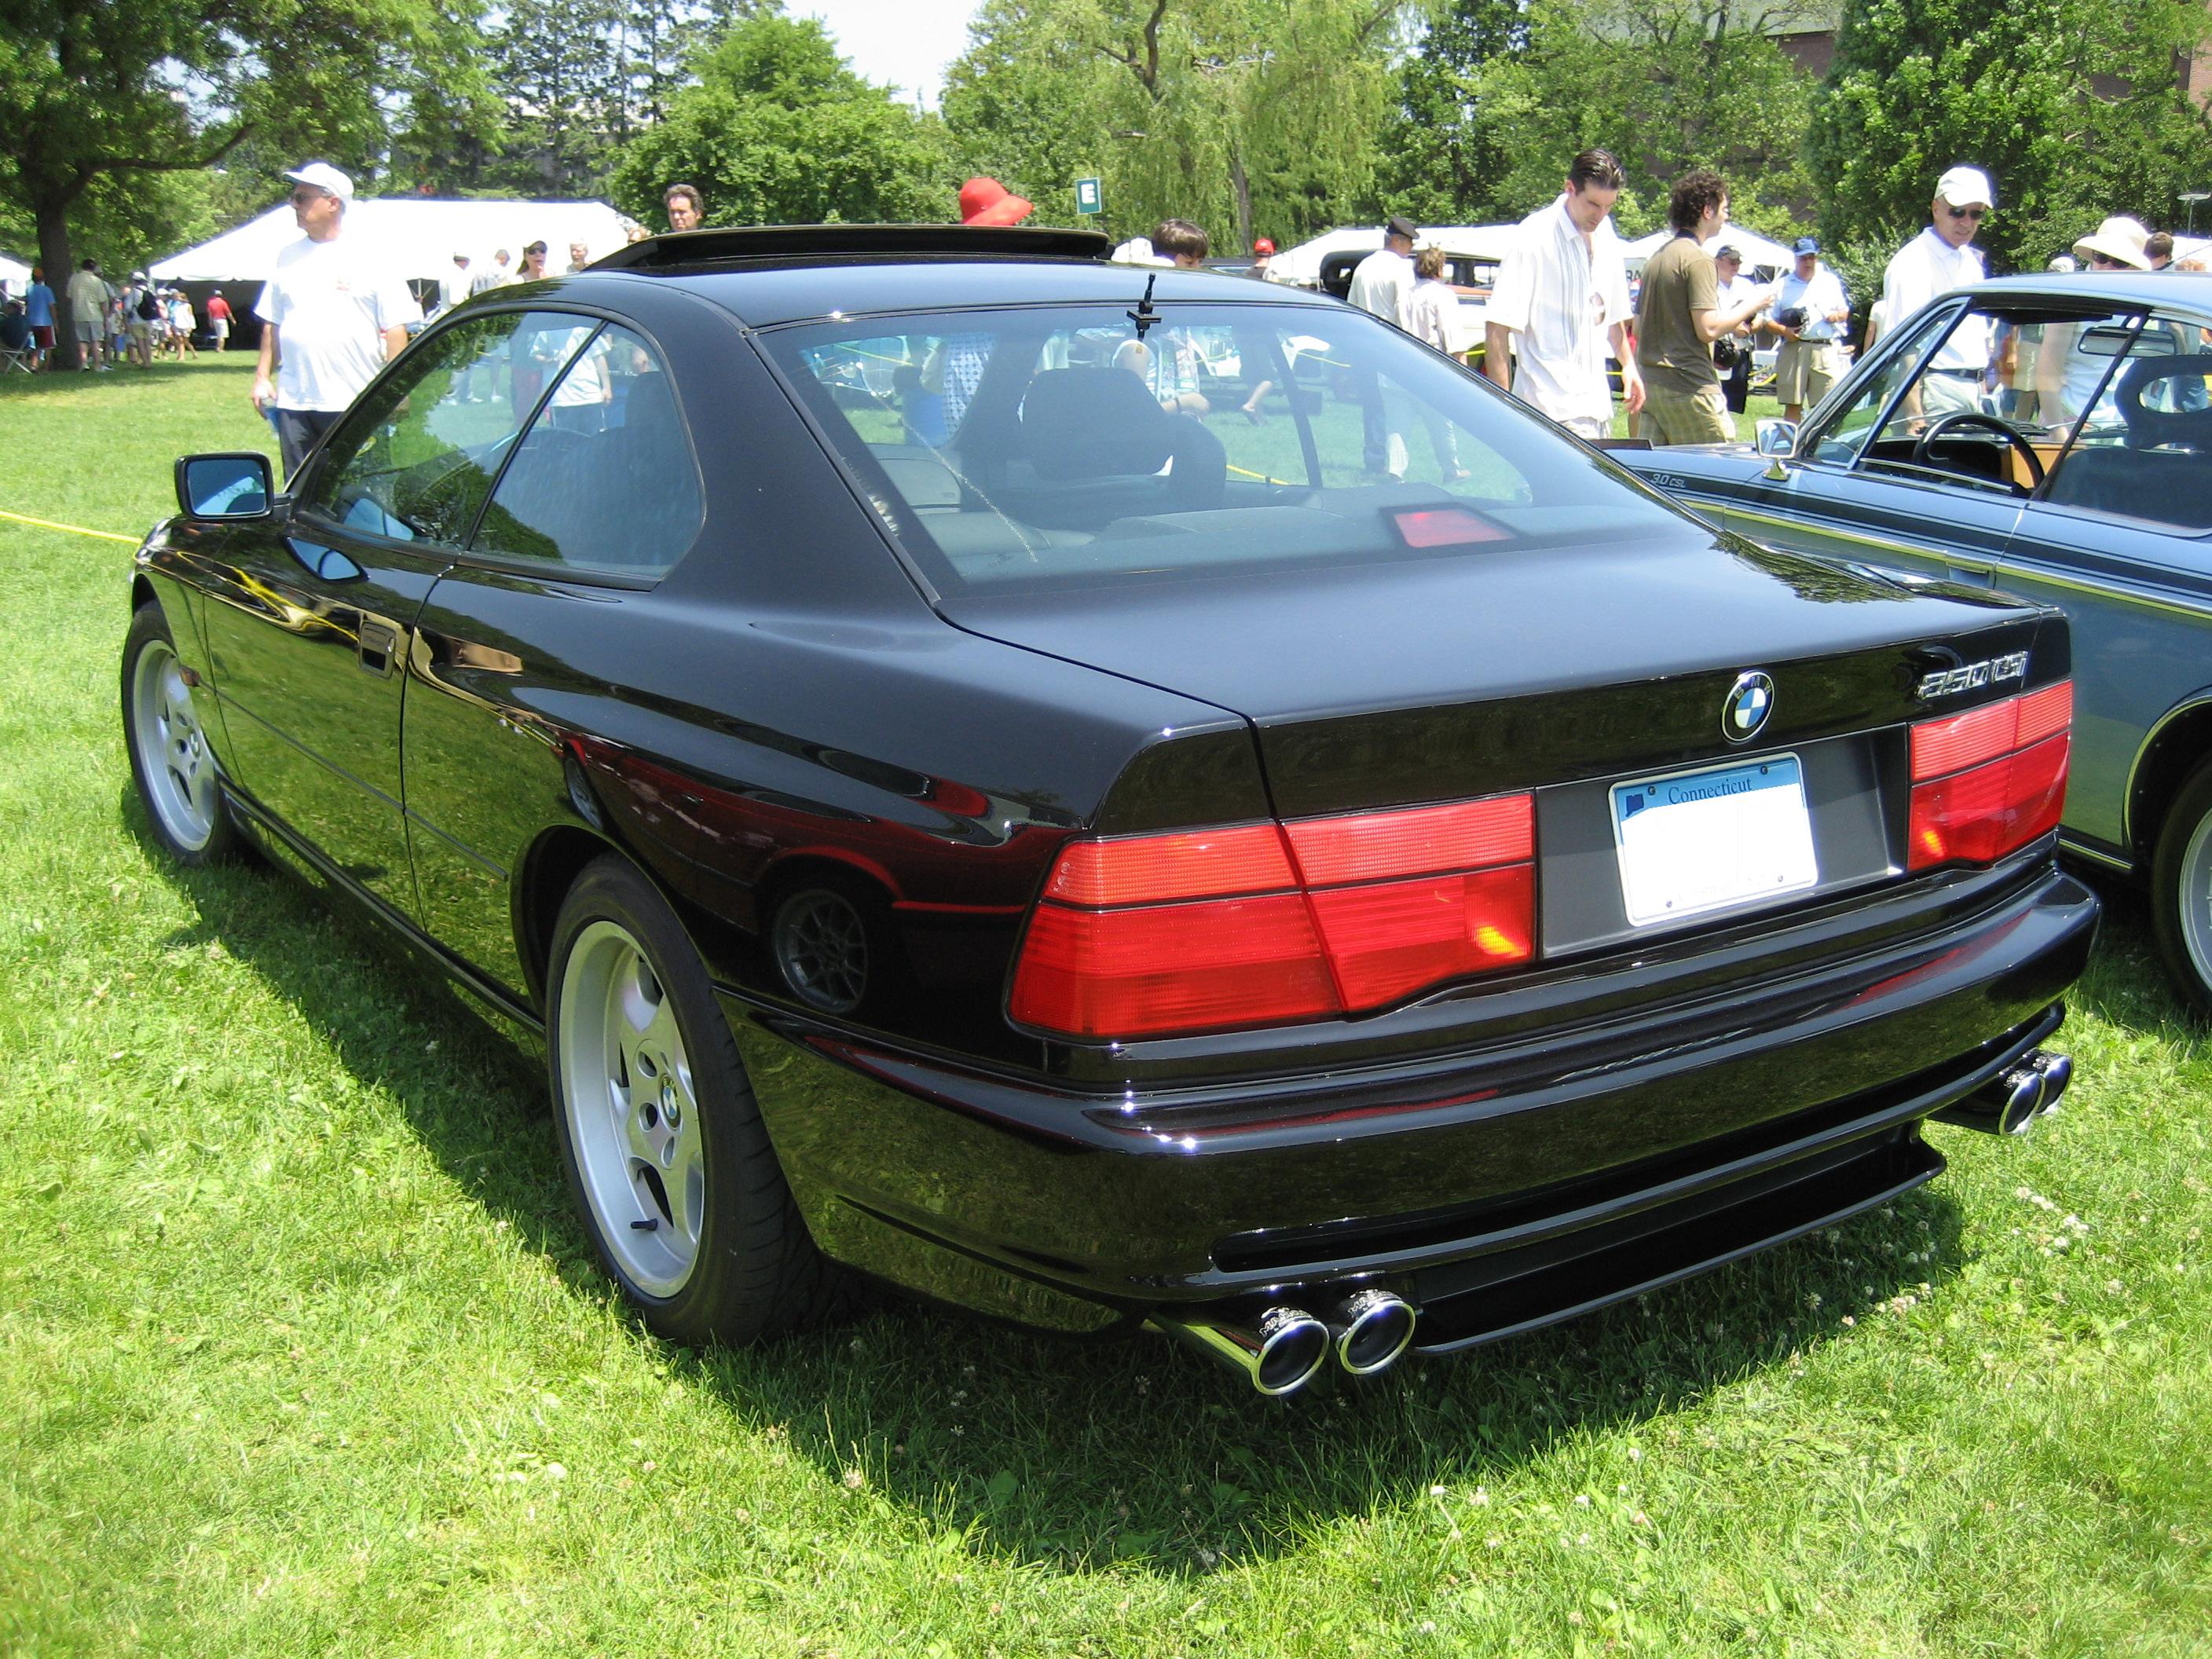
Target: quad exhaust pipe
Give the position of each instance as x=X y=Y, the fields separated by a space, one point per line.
x=2009 y=1103
x=1282 y=1348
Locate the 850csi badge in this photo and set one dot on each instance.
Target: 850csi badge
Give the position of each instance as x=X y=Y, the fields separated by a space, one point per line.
x=1973 y=675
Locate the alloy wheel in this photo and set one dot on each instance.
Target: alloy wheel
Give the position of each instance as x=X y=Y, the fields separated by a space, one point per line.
x=633 y=1114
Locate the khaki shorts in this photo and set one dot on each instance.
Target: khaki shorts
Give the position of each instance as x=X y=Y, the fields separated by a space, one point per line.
x=1804 y=370
x=1942 y=393
x=1684 y=418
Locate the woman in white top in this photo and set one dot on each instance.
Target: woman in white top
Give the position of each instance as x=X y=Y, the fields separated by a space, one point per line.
x=1427 y=312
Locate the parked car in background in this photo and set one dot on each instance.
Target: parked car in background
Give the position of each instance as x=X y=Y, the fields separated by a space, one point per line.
x=2077 y=470
x=1471 y=257
x=963 y=805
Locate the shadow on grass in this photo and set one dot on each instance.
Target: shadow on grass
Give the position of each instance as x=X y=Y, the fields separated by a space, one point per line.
x=1074 y=1455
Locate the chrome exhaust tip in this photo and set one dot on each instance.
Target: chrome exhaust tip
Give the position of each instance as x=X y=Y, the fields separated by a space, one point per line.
x=2057 y=1071
x=1279 y=1351
x=1372 y=1328
x=2008 y=1104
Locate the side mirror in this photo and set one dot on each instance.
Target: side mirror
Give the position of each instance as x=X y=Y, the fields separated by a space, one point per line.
x=1777 y=441
x=228 y=486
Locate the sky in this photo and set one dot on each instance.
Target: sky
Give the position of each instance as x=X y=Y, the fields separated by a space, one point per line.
x=901 y=43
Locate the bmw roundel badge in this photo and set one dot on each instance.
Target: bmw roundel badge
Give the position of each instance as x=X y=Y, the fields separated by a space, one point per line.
x=1750 y=700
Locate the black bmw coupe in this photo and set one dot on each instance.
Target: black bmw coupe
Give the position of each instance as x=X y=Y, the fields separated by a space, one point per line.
x=1101 y=796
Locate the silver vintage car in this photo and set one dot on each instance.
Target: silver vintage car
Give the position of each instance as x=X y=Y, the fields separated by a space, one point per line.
x=2048 y=436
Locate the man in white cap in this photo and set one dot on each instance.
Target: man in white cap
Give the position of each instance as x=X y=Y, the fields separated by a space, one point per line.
x=1810 y=311
x=331 y=315
x=1939 y=259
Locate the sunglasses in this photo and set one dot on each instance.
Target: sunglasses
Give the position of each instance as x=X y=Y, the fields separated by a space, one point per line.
x=1964 y=213
x=301 y=198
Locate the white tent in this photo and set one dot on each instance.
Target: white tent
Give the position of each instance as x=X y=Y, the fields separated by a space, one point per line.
x=1759 y=253
x=16 y=275
x=422 y=235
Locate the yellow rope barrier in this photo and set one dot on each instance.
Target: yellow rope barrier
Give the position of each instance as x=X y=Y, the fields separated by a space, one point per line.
x=73 y=529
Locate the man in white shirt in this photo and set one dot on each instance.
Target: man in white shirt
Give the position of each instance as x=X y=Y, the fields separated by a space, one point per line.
x=1561 y=295
x=453 y=287
x=332 y=314
x=1935 y=262
x=1382 y=284
x=1809 y=313
x=1733 y=289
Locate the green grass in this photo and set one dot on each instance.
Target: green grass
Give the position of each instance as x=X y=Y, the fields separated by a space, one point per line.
x=300 y=1352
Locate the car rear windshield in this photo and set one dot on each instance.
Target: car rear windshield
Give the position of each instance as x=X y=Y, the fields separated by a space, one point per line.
x=1079 y=445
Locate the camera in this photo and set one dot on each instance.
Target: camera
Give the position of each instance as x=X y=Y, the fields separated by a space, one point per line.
x=1793 y=318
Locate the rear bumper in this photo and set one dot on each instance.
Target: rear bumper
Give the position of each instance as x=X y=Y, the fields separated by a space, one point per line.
x=1518 y=1180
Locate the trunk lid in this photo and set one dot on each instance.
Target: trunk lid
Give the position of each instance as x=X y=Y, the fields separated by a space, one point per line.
x=1439 y=679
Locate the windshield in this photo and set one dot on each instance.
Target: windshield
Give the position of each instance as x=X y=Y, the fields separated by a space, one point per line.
x=1068 y=445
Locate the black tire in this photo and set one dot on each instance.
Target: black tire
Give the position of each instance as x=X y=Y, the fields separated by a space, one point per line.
x=622 y=967
x=834 y=944
x=172 y=763
x=2181 y=890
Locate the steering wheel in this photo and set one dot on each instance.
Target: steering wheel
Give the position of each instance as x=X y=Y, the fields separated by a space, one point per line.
x=2148 y=427
x=1951 y=423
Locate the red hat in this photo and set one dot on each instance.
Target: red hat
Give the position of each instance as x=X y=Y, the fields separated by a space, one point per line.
x=987 y=202
x=1263 y=245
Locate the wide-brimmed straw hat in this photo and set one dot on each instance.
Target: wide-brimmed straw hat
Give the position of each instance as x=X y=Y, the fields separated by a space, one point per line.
x=2120 y=239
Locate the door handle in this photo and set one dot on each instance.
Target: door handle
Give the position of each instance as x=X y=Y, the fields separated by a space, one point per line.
x=378 y=641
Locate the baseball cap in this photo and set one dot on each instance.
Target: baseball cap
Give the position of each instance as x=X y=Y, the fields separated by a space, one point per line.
x=1402 y=226
x=1806 y=244
x=1966 y=187
x=1263 y=245
x=324 y=177
x=1729 y=251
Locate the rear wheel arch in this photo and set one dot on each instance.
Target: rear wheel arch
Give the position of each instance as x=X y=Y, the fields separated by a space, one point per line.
x=2175 y=751
x=548 y=870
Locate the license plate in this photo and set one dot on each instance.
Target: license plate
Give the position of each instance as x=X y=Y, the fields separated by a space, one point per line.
x=1694 y=841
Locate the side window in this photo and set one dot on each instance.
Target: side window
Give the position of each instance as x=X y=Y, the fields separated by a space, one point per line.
x=603 y=481
x=1848 y=432
x=414 y=460
x=2142 y=446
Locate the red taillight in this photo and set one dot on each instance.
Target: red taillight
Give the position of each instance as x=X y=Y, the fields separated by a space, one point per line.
x=1171 y=967
x=1990 y=781
x=1939 y=747
x=1388 y=939
x=1245 y=858
x=1201 y=930
x=1465 y=836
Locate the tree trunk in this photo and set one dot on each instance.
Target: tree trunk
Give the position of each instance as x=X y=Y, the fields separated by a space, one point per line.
x=52 y=220
x=1243 y=186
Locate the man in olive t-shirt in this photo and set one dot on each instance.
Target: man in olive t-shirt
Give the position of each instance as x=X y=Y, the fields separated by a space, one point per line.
x=1678 y=318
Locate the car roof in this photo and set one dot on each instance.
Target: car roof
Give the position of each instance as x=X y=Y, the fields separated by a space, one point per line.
x=2147 y=287
x=780 y=275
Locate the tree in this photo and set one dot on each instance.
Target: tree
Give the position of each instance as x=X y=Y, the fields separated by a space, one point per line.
x=1242 y=115
x=106 y=93
x=779 y=131
x=556 y=66
x=2074 y=107
x=1442 y=155
x=1666 y=85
